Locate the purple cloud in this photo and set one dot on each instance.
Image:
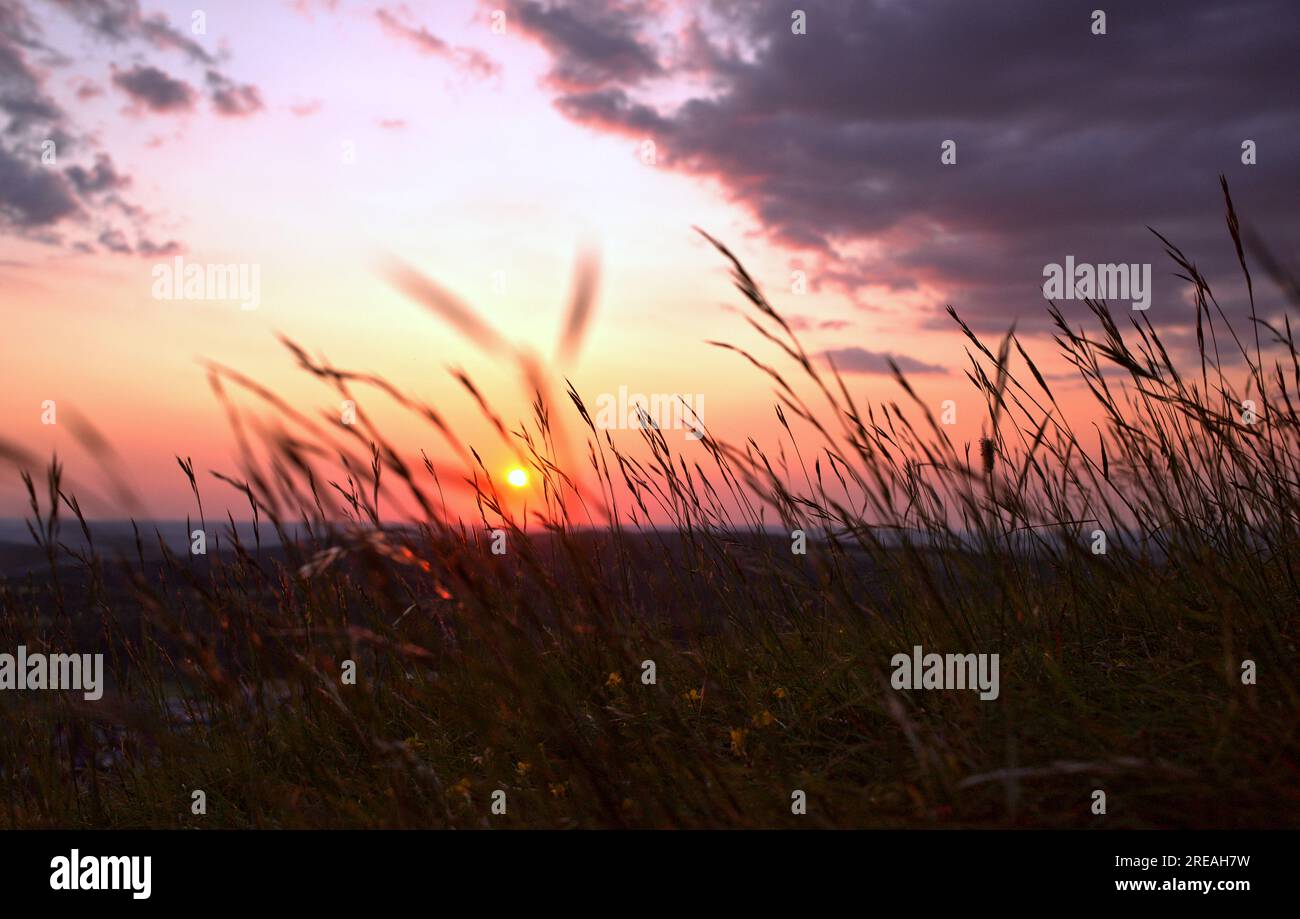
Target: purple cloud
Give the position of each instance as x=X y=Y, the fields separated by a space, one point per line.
x=860 y=360
x=58 y=186
x=1066 y=142
x=32 y=196
x=592 y=45
x=231 y=100
x=154 y=89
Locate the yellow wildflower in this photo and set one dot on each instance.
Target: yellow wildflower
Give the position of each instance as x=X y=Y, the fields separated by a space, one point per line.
x=738 y=736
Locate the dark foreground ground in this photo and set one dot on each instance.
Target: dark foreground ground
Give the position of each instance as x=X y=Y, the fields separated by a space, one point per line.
x=523 y=679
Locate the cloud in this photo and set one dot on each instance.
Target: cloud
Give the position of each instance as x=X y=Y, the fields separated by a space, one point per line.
x=591 y=46
x=33 y=196
x=103 y=177
x=812 y=324
x=154 y=89
x=859 y=360
x=115 y=241
x=22 y=96
x=162 y=35
x=612 y=110
x=71 y=194
x=150 y=249
x=231 y=100
x=1067 y=142
x=470 y=60
x=121 y=22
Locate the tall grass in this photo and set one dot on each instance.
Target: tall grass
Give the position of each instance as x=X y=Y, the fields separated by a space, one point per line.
x=523 y=673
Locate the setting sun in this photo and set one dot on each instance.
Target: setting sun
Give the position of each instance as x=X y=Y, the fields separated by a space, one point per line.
x=517 y=477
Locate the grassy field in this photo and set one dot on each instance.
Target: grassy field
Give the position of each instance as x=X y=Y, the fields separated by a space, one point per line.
x=528 y=673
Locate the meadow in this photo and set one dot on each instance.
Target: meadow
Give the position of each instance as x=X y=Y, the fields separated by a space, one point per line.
x=650 y=651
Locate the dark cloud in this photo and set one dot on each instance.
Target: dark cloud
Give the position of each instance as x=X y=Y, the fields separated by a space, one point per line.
x=471 y=60
x=1068 y=143
x=103 y=177
x=592 y=45
x=231 y=100
x=612 y=110
x=860 y=360
x=162 y=35
x=22 y=96
x=28 y=111
x=150 y=249
x=154 y=89
x=33 y=196
x=121 y=22
x=115 y=241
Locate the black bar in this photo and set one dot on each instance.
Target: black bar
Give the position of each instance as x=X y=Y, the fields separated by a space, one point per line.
x=1036 y=869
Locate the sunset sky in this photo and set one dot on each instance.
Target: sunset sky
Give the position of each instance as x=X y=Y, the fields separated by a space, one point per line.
x=481 y=140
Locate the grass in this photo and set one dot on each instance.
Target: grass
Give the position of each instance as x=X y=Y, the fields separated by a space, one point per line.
x=523 y=673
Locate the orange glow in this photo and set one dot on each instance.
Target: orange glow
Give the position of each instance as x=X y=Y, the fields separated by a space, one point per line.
x=517 y=477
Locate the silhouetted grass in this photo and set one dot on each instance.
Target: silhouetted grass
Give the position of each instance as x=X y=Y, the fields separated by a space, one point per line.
x=523 y=672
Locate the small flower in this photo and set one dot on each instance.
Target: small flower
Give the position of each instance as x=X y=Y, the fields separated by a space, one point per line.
x=462 y=787
x=523 y=768
x=558 y=790
x=692 y=696
x=763 y=719
x=779 y=692
x=738 y=736
x=614 y=681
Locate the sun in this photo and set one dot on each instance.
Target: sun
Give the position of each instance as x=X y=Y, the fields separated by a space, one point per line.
x=517 y=477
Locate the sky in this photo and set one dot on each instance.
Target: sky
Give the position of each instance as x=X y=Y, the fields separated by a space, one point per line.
x=487 y=144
